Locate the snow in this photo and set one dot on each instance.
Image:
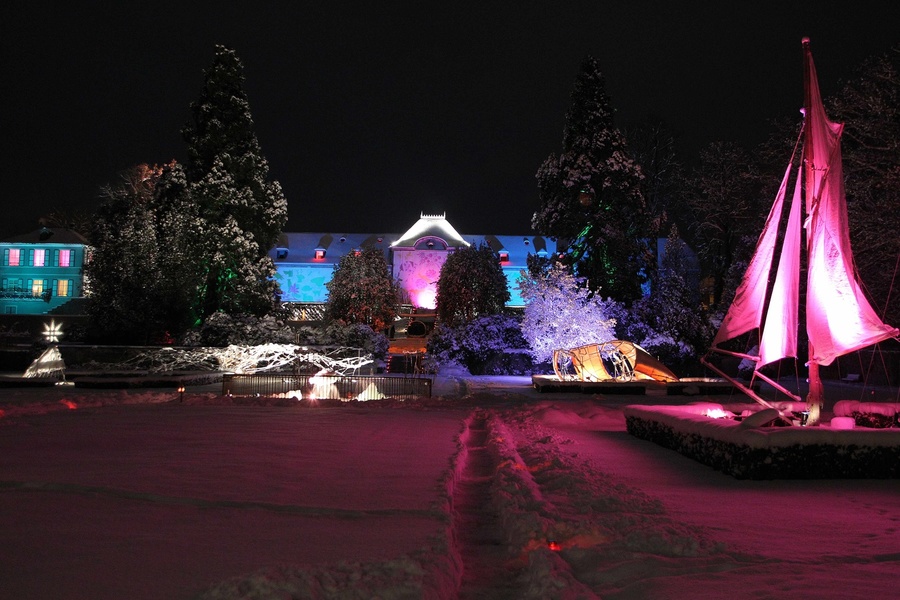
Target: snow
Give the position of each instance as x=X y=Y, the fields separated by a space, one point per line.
x=135 y=494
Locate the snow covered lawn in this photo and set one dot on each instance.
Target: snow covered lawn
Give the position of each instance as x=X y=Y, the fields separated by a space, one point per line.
x=496 y=492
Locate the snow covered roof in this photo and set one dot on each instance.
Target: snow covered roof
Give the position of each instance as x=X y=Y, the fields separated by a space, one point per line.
x=431 y=226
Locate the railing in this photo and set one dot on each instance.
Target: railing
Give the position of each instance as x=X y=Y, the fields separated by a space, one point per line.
x=349 y=387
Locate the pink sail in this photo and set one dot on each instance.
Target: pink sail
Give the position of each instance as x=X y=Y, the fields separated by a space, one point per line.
x=839 y=317
x=746 y=311
x=779 y=333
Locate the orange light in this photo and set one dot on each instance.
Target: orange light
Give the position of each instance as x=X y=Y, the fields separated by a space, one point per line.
x=554 y=545
x=68 y=404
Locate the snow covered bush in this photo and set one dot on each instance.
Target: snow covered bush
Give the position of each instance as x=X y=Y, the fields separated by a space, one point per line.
x=490 y=345
x=670 y=323
x=561 y=312
x=221 y=329
x=355 y=335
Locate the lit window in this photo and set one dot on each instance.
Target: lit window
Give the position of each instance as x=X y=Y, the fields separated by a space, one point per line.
x=62 y=287
x=14 y=257
x=39 y=257
x=65 y=258
x=504 y=256
x=37 y=287
x=320 y=254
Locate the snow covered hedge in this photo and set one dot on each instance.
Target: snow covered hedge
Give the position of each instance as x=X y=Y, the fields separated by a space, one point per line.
x=768 y=452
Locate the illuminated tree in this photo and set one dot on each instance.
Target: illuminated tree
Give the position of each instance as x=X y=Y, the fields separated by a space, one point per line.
x=242 y=213
x=561 y=312
x=471 y=284
x=590 y=195
x=362 y=290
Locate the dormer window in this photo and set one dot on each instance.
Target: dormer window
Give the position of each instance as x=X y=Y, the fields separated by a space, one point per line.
x=504 y=256
x=320 y=254
x=281 y=253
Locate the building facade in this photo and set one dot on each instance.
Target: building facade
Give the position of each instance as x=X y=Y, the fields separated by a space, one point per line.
x=305 y=261
x=41 y=271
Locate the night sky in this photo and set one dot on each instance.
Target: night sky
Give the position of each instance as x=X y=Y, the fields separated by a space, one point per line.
x=370 y=115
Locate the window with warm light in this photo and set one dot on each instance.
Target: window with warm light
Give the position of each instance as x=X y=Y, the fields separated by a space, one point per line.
x=62 y=287
x=37 y=287
x=320 y=254
x=40 y=257
x=504 y=256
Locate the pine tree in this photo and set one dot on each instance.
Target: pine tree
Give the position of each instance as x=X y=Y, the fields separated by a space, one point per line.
x=362 y=290
x=670 y=323
x=590 y=196
x=242 y=212
x=471 y=284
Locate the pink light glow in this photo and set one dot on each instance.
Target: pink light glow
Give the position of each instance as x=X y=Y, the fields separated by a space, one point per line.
x=716 y=413
x=427 y=298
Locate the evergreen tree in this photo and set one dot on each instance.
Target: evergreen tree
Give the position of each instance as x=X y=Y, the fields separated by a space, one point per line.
x=241 y=211
x=670 y=323
x=590 y=195
x=362 y=290
x=179 y=251
x=471 y=284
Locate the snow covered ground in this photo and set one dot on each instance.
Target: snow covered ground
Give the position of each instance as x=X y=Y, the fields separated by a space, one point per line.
x=488 y=490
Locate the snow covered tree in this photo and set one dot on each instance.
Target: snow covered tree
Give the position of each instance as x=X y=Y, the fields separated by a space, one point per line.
x=143 y=268
x=670 y=323
x=561 y=312
x=241 y=211
x=362 y=290
x=590 y=195
x=123 y=268
x=471 y=284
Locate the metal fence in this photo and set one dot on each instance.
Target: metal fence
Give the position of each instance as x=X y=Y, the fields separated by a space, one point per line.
x=349 y=387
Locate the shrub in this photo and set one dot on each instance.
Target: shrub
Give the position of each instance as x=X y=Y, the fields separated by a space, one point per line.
x=489 y=345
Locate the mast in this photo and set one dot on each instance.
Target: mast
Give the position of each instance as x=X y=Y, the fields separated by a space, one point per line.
x=815 y=398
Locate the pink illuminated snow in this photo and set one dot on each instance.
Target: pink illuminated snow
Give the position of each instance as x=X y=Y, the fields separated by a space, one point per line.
x=497 y=492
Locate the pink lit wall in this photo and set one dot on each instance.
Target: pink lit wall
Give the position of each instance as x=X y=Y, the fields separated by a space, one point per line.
x=417 y=273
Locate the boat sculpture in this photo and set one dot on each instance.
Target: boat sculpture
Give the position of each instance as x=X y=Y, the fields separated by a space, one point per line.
x=839 y=318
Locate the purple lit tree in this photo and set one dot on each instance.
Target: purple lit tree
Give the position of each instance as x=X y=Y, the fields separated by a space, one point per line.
x=561 y=312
